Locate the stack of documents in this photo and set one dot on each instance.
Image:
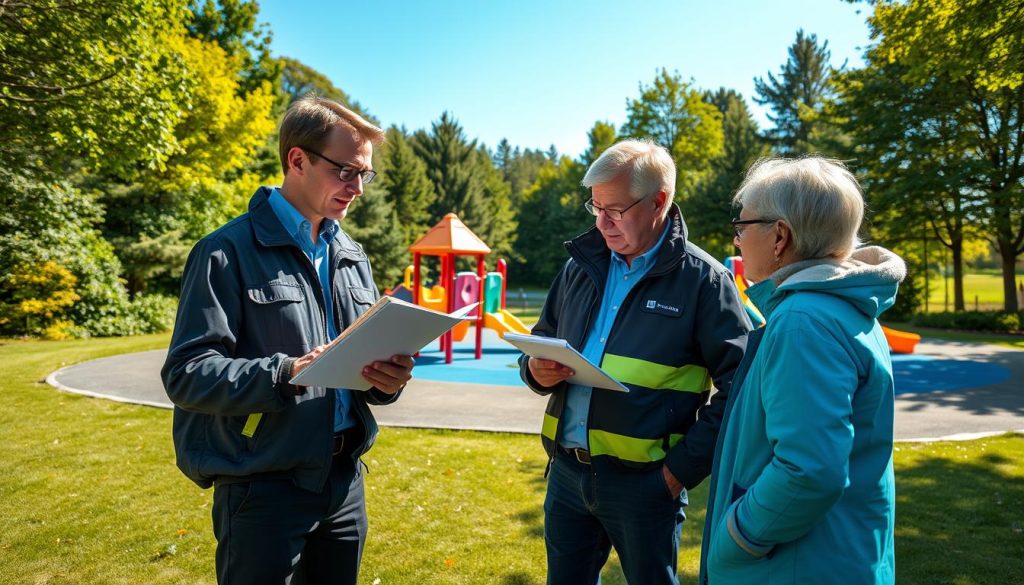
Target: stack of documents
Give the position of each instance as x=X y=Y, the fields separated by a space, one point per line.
x=390 y=327
x=559 y=350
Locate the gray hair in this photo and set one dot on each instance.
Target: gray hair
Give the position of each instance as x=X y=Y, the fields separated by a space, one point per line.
x=650 y=167
x=817 y=197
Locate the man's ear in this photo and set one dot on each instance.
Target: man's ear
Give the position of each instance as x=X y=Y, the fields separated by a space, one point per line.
x=297 y=160
x=660 y=201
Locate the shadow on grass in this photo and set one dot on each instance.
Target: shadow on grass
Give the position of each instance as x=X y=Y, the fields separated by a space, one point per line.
x=959 y=522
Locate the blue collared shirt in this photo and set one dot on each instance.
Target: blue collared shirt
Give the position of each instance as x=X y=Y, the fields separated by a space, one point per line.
x=621 y=279
x=299 y=228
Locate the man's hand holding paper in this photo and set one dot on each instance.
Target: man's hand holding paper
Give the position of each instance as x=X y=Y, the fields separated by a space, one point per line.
x=387 y=376
x=549 y=372
x=390 y=376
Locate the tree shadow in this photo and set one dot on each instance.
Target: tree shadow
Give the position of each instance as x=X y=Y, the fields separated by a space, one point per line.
x=959 y=522
x=982 y=380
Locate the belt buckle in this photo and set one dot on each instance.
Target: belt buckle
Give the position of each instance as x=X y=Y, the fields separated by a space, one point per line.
x=582 y=455
x=339 y=443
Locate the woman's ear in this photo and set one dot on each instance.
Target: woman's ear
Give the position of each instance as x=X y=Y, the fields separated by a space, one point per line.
x=783 y=238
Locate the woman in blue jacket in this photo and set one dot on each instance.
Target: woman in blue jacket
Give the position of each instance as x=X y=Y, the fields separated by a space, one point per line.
x=802 y=488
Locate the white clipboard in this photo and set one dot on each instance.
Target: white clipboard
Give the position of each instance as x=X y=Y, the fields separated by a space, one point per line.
x=559 y=350
x=390 y=327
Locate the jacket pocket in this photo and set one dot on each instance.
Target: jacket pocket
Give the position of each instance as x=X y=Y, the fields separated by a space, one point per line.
x=279 y=311
x=362 y=296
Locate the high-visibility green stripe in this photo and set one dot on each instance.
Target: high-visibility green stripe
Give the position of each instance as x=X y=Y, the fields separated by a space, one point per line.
x=626 y=448
x=549 y=427
x=629 y=370
x=674 y=439
x=251 y=423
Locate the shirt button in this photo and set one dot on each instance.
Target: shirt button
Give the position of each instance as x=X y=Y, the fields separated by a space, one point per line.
x=615 y=308
x=602 y=340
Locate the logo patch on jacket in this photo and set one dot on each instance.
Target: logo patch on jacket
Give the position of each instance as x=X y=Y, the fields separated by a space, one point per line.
x=660 y=308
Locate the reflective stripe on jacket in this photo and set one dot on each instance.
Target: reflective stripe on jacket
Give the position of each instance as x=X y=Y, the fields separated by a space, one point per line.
x=681 y=329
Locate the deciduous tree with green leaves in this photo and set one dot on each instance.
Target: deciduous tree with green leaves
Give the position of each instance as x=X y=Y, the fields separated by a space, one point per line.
x=955 y=72
x=674 y=114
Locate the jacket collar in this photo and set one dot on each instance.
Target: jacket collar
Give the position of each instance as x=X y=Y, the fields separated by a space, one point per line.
x=590 y=250
x=269 y=231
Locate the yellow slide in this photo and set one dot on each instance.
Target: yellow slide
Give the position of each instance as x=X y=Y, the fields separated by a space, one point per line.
x=503 y=322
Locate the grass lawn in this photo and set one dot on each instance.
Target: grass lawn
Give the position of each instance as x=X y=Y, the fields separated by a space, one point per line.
x=89 y=494
x=984 y=286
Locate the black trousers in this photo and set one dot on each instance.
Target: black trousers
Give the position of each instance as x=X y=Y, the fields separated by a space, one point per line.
x=269 y=531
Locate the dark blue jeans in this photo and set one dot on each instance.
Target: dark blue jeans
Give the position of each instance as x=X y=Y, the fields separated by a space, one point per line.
x=271 y=532
x=587 y=511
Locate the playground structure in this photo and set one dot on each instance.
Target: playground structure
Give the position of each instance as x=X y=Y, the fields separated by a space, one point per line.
x=899 y=341
x=447 y=240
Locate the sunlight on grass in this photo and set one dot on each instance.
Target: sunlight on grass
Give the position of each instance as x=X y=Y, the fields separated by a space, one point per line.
x=89 y=494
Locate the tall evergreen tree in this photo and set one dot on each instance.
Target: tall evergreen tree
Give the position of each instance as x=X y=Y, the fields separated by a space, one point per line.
x=797 y=97
x=372 y=221
x=451 y=168
x=708 y=212
x=403 y=176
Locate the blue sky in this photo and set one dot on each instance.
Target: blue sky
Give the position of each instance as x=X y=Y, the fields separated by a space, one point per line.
x=541 y=73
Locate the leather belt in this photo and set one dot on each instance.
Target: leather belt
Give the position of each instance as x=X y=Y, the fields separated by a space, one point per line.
x=581 y=455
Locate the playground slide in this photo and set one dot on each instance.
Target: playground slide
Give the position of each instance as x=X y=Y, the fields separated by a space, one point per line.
x=502 y=321
x=900 y=341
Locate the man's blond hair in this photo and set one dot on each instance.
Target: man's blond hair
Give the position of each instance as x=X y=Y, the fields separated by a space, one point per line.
x=309 y=120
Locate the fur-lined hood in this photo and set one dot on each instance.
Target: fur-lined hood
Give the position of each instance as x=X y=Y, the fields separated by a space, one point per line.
x=868 y=280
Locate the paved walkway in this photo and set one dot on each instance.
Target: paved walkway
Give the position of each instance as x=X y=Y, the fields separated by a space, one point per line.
x=946 y=390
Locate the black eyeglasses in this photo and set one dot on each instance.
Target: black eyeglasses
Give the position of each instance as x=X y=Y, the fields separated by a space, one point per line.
x=612 y=214
x=738 y=223
x=347 y=172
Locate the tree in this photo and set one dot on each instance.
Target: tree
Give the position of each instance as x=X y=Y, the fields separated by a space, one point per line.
x=551 y=212
x=154 y=219
x=452 y=169
x=233 y=25
x=90 y=81
x=675 y=115
x=372 y=221
x=600 y=137
x=797 y=97
x=708 y=212
x=299 y=80
x=403 y=176
x=498 y=228
x=955 y=71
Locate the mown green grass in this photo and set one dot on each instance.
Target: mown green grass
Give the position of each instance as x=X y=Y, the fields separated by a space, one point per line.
x=982 y=289
x=89 y=494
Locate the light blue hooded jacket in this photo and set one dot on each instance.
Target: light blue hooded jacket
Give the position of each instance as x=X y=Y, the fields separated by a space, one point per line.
x=802 y=488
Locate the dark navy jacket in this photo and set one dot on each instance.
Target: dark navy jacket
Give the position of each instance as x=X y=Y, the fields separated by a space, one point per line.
x=250 y=304
x=681 y=329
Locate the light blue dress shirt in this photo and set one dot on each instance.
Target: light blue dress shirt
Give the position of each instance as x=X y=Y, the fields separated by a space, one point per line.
x=299 y=228
x=621 y=279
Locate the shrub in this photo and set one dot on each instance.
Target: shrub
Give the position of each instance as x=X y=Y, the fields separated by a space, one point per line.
x=994 y=321
x=153 y=313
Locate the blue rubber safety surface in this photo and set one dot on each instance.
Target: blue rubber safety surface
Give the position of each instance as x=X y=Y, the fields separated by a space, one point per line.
x=498 y=367
x=920 y=373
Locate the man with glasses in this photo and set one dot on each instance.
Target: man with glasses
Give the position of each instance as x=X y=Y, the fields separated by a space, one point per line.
x=664 y=318
x=260 y=297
